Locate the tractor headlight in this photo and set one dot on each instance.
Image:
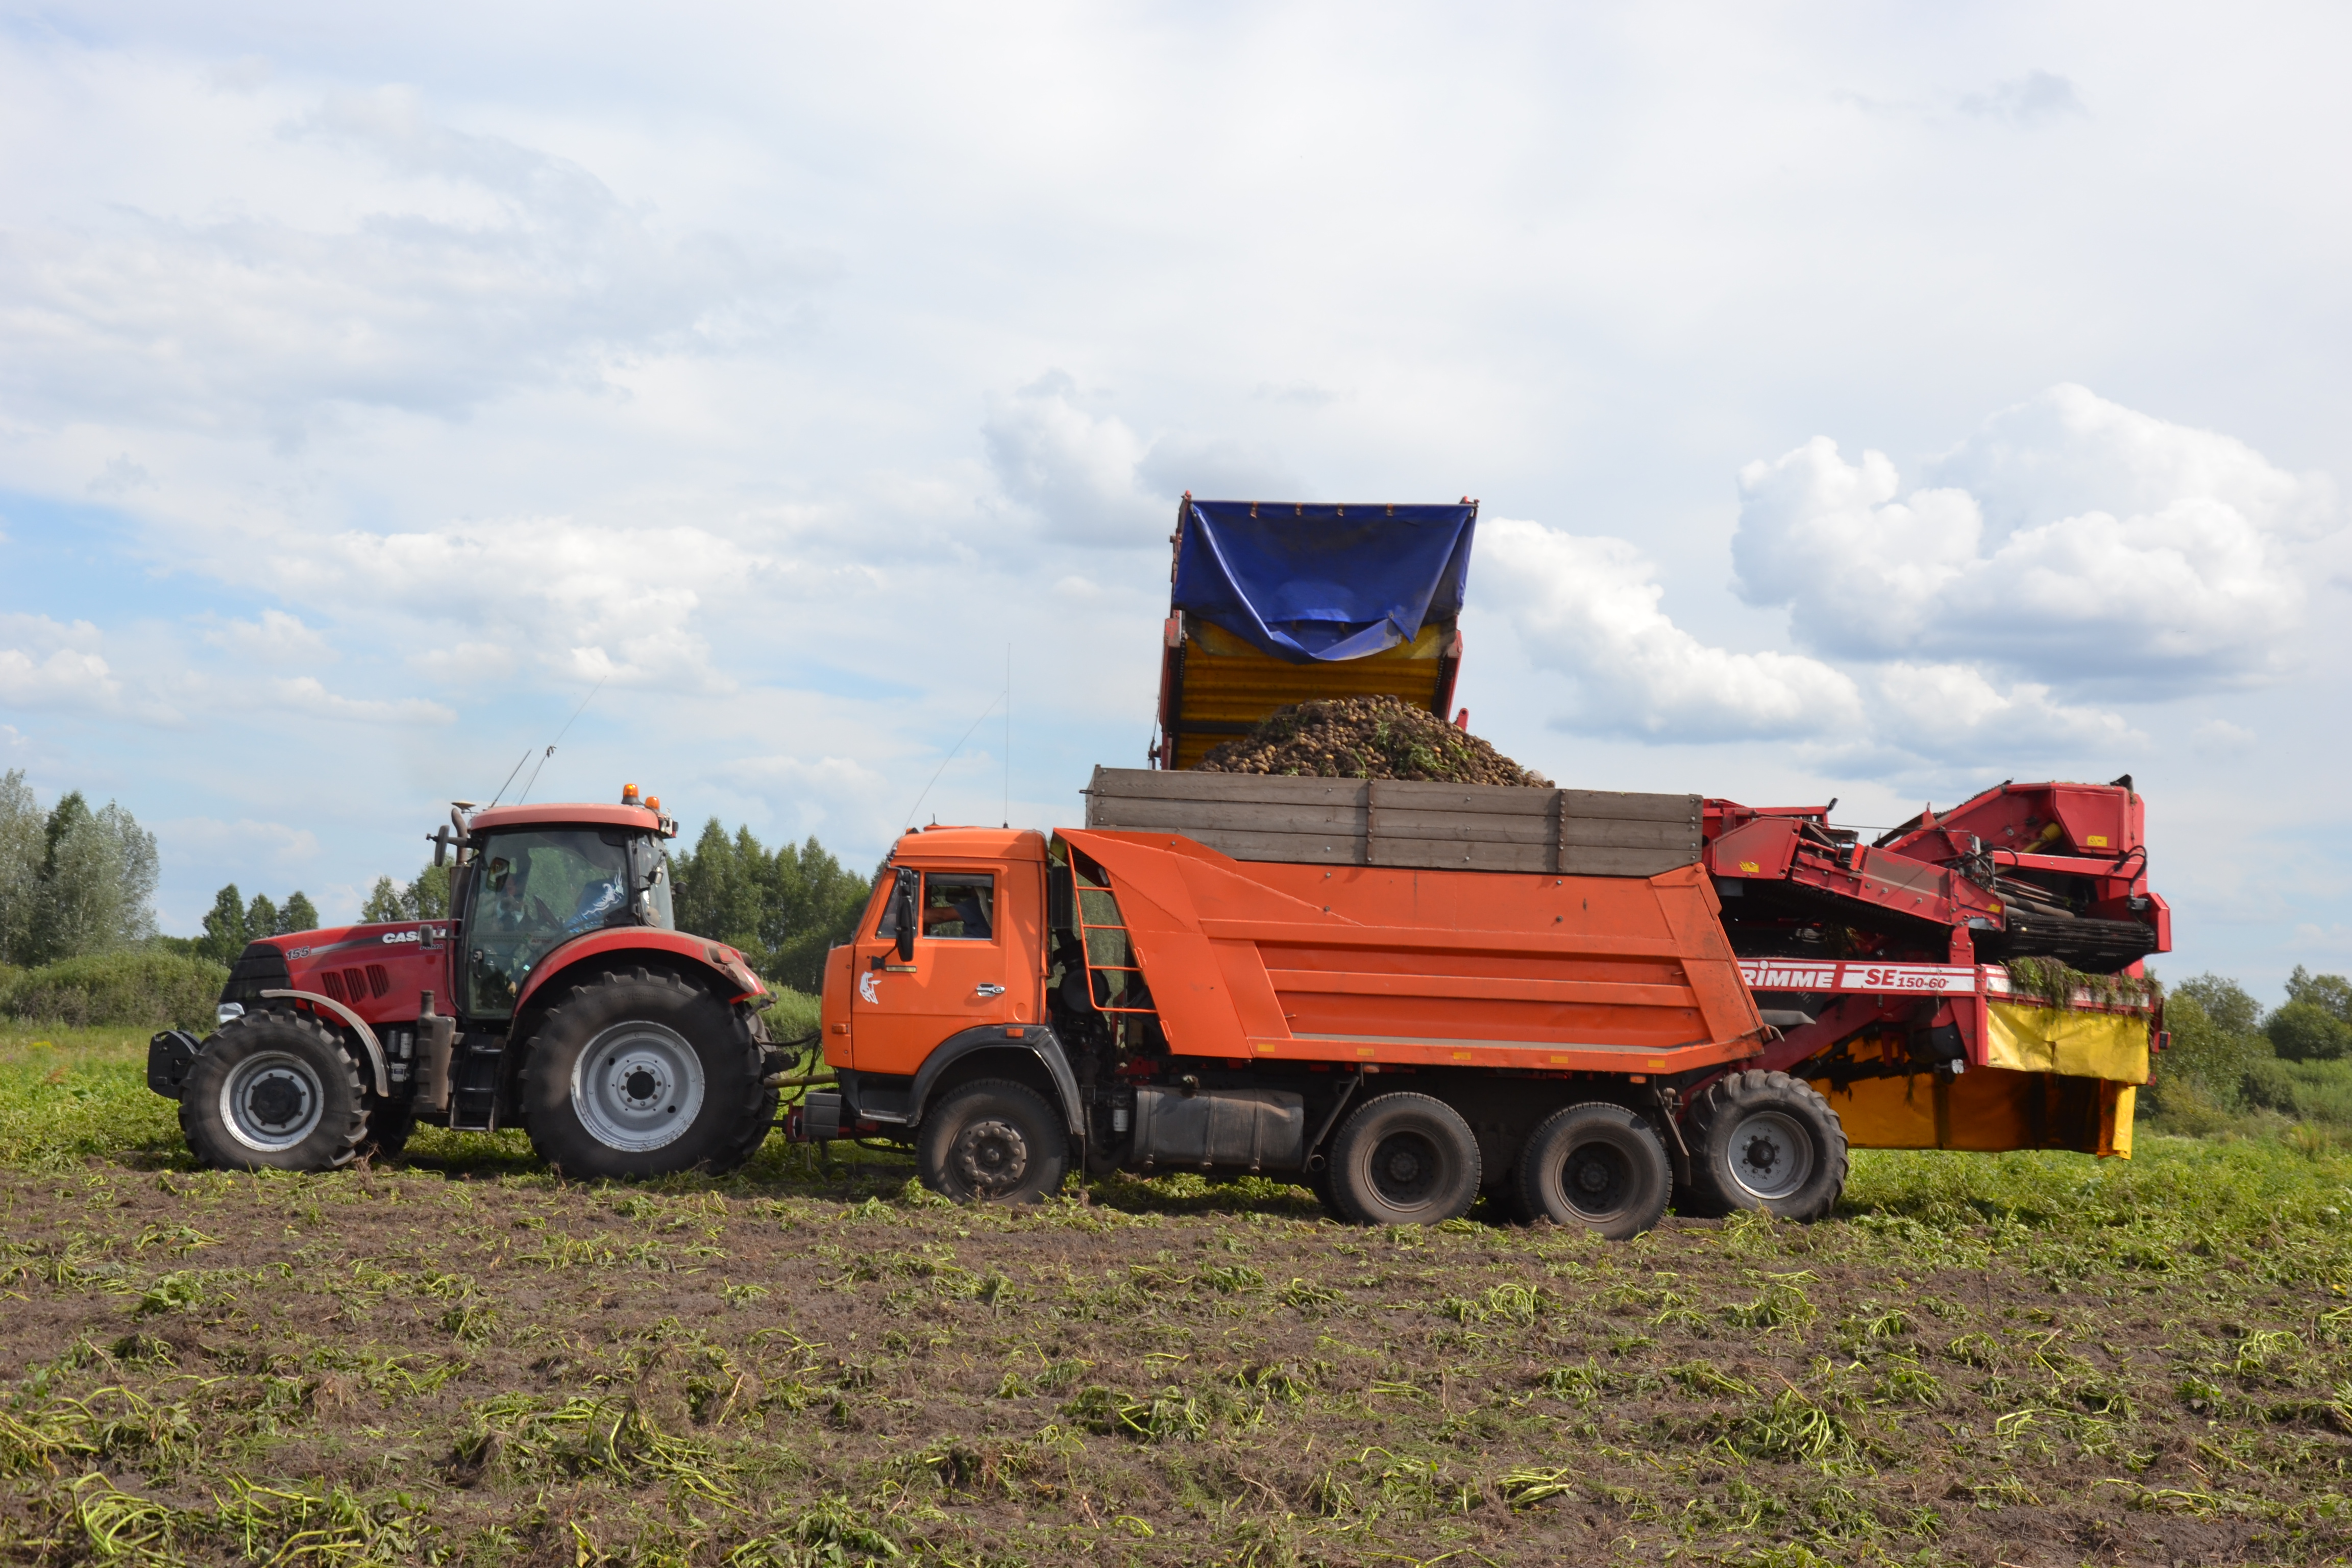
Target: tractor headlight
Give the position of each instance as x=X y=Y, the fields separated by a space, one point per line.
x=229 y=1010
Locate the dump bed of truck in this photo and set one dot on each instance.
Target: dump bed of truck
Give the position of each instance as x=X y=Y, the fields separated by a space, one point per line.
x=1259 y=960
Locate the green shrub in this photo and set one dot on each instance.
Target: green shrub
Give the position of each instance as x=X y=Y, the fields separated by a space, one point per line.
x=2205 y=1067
x=2308 y=1032
x=2317 y=1091
x=135 y=989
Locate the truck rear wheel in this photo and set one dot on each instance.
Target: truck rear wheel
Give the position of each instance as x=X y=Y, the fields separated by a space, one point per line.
x=1597 y=1165
x=1404 y=1159
x=273 y=1091
x=993 y=1141
x=1765 y=1140
x=641 y=1074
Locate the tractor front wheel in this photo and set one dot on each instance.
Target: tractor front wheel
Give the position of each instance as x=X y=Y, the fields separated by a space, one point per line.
x=273 y=1091
x=641 y=1074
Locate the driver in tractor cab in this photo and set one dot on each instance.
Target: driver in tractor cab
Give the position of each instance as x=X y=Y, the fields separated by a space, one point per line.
x=512 y=909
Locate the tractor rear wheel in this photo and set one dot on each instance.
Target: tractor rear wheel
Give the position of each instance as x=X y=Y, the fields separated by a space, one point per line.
x=1596 y=1165
x=641 y=1074
x=1768 y=1141
x=1404 y=1159
x=273 y=1090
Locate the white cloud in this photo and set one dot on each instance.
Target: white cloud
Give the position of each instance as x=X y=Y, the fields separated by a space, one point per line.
x=1087 y=474
x=2029 y=99
x=305 y=695
x=48 y=664
x=1588 y=609
x=2073 y=541
x=275 y=639
x=476 y=267
x=2219 y=738
x=284 y=847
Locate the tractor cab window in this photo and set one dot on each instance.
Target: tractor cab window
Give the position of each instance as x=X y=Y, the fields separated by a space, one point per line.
x=537 y=888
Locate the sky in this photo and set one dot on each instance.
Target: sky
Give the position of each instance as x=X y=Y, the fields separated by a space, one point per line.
x=1864 y=401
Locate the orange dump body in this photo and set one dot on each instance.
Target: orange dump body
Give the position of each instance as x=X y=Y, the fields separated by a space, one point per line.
x=1268 y=960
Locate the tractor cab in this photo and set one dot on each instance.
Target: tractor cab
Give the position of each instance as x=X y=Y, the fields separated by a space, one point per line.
x=532 y=879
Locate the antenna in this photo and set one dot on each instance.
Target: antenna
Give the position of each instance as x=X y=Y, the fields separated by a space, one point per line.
x=510 y=777
x=944 y=762
x=559 y=735
x=1008 y=734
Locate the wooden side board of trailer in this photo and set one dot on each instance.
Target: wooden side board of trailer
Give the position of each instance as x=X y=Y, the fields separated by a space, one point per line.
x=1390 y=822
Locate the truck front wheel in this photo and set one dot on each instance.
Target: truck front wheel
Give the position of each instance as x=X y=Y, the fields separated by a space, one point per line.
x=640 y=1075
x=994 y=1140
x=1404 y=1159
x=273 y=1091
x=1765 y=1140
x=1598 y=1166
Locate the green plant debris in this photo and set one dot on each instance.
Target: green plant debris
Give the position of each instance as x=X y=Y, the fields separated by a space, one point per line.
x=2053 y=983
x=2022 y=1358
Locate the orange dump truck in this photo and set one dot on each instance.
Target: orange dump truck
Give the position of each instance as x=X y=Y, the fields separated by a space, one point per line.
x=1402 y=1037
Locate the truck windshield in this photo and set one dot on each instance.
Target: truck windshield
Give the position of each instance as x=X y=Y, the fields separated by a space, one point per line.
x=537 y=888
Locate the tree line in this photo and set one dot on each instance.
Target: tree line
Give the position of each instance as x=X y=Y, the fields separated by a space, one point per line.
x=2230 y=1053
x=73 y=880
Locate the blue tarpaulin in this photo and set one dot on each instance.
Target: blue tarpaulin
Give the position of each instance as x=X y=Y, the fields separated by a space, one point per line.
x=1308 y=583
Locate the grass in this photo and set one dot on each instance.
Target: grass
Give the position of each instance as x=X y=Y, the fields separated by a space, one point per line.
x=2022 y=1358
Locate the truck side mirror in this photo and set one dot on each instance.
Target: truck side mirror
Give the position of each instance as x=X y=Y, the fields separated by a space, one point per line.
x=903 y=915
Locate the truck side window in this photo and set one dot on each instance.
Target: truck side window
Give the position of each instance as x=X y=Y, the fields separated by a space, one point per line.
x=960 y=905
x=887 y=926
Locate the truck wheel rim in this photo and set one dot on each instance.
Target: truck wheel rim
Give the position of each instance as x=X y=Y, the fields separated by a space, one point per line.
x=1771 y=1155
x=1594 y=1178
x=1406 y=1169
x=991 y=1156
x=272 y=1100
x=637 y=1086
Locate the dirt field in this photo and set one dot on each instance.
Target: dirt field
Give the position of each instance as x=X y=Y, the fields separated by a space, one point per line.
x=2026 y=1360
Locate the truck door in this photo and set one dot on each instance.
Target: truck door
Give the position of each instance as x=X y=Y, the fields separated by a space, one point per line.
x=959 y=977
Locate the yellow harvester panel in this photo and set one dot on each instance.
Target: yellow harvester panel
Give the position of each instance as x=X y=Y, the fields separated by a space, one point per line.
x=1228 y=686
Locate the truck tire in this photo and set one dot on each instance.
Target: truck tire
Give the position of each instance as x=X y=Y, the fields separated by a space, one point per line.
x=641 y=1074
x=1596 y=1165
x=1768 y=1141
x=274 y=1091
x=1404 y=1159
x=992 y=1140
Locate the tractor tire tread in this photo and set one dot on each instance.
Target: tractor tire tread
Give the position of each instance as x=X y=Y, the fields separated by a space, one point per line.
x=1720 y=1104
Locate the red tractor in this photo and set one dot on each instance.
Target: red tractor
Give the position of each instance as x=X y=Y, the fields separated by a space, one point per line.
x=558 y=994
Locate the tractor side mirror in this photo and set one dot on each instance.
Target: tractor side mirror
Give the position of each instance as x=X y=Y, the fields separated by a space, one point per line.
x=903 y=914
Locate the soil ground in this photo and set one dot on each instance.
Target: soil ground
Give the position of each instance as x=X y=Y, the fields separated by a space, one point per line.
x=2023 y=1358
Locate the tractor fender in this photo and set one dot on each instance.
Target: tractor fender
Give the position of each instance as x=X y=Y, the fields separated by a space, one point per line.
x=357 y=1025
x=722 y=965
x=1036 y=1038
